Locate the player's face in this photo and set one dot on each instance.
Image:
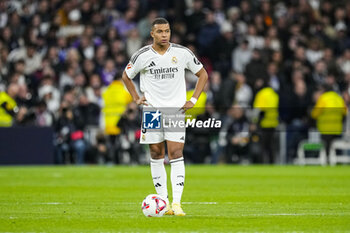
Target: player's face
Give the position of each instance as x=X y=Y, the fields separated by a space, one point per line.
x=161 y=34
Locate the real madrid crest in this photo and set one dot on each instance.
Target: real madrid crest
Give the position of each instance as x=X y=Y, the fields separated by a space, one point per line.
x=174 y=60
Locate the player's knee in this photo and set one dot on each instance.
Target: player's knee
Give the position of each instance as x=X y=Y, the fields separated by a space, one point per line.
x=157 y=155
x=175 y=154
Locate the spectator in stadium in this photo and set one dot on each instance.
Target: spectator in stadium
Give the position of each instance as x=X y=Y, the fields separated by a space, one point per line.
x=331 y=62
x=43 y=117
x=145 y=24
x=86 y=12
x=214 y=92
x=227 y=92
x=19 y=69
x=315 y=51
x=275 y=77
x=94 y=89
x=266 y=103
x=69 y=141
x=237 y=135
x=195 y=16
x=66 y=78
x=239 y=26
x=79 y=83
x=133 y=42
x=319 y=73
x=126 y=23
x=294 y=102
x=342 y=41
x=52 y=58
x=344 y=61
x=109 y=12
x=273 y=38
x=254 y=39
x=218 y=10
x=98 y=153
x=299 y=62
x=31 y=58
x=8 y=105
x=49 y=93
x=243 y=92
x=88 y=68
x=329 y=112
x=207 y=35
x=200 y=139
x=74 y=26
x=8 y=39
x=223 y=47
x=117 y=47
x=14 y=22
x=115 y=102
x=241 y=56
x=331 y=81
x=247 y=13
x=129 y=124
x=108 y=73
x=89 y=112
x=85 y=47
x=256 y=72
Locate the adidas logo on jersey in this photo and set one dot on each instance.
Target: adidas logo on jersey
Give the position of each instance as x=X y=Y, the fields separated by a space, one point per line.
x=152 y=64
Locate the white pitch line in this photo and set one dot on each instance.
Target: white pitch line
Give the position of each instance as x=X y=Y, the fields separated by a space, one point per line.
x=42 y=203
x=274 y=214
x=55 y=203
x=57 y=175
x=139 y=203
x=200 y=203
x=222 y=203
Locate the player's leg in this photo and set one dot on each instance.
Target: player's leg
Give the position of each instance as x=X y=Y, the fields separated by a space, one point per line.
x=159 y=175
x=175 y=153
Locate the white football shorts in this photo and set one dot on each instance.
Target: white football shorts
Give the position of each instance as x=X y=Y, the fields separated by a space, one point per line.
x=172 y=127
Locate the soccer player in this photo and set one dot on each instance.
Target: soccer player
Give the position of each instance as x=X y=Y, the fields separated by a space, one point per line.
x=162 y=82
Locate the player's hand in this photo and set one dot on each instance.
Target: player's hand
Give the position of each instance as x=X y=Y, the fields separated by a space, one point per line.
x=141 y=101
x=188 y=105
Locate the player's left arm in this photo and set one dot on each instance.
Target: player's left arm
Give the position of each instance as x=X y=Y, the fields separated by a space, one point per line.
x=202 y=80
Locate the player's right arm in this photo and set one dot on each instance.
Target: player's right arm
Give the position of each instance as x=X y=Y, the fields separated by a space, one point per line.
x=132 y=90
x=131 y=70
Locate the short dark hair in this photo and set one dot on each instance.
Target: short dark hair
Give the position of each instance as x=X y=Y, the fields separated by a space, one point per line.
x=118 y=75
x=159 y=21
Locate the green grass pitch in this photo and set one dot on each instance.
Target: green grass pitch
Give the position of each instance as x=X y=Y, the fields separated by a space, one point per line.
x=216 y=199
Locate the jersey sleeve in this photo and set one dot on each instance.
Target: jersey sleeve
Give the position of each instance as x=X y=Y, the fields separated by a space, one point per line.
x=133 y=67
x=192 y=63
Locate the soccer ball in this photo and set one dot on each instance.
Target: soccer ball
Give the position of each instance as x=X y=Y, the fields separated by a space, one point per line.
x=153 y=206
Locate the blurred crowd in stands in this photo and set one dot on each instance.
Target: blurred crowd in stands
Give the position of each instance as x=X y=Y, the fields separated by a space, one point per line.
x=273 y=65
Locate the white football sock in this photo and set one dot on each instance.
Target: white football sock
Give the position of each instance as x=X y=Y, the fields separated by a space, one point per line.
x=177 y=178
x=159 y=177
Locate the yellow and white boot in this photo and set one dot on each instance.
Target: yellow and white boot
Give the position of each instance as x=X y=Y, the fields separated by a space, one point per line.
x=178 y=210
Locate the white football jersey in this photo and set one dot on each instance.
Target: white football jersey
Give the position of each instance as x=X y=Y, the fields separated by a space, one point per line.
x=162 y=77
